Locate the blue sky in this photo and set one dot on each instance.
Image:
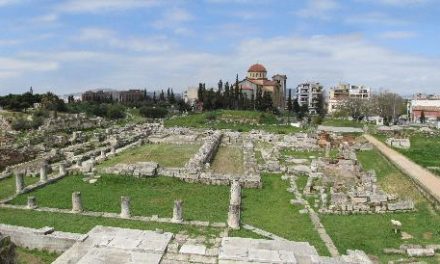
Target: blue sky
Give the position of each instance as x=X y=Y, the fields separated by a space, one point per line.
x=74 y=45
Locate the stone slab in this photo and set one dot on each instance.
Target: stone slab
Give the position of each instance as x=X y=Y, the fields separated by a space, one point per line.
x=117 y=245
x=193 y=249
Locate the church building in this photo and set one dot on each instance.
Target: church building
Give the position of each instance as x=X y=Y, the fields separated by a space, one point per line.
x=257 y=79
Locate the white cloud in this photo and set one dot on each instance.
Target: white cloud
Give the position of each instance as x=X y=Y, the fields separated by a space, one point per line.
x=174 y=19
x=403 y=2
x=95 y=6
x=9 y=2
x=318 y=9
x=105 y=37
x=328 y=59
x=398 y=35
x=375 y=18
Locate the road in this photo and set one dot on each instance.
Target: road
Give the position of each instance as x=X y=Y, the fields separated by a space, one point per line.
x=426 y=179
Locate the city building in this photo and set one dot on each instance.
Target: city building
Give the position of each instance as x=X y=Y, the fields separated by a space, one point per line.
x=308 y=94
x=190 y=96
x=343 y=91
x=428 y=105
x=97 y=96
x=257 y=79
x=132 y=96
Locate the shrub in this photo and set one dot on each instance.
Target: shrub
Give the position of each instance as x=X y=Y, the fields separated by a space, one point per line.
x=153 y=112
x=211 y=116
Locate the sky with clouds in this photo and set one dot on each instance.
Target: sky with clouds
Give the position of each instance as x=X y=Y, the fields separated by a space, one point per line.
x=68 y=46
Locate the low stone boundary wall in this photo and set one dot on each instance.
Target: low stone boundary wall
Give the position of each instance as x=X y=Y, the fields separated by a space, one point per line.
x=45 y=238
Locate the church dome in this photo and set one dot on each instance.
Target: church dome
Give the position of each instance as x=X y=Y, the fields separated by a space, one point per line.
x=257 y=68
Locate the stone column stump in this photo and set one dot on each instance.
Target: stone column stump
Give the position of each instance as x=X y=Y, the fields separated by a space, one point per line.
x=19 y=182
x=43 y=172
x=63 y=171
x=125 y=207
x=76 y=202
x=31 y=202
x=234 y=205
x=178 y=211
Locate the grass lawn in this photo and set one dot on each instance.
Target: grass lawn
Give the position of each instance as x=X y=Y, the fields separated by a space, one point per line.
x=26 y=256
x=342 y=123
x=83 y=224
x=372 y=233
x=425 y=150
x=149 y=196
x=7 y=186
x=167 y=155
x=228 y=160
x=269 y=209
x=242 y=121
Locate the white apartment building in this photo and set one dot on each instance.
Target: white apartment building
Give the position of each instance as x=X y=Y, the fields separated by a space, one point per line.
x=190 y=95
x=308 y=93
x=343 y=91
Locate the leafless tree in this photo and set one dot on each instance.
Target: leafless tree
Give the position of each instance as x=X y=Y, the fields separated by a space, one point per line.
x=389 y=106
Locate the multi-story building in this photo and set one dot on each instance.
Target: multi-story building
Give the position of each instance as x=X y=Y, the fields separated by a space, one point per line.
x=308 y=93
x=427 y=105
x=343 y=91
x=98 y=96
x=190 y=96
x=132 y=96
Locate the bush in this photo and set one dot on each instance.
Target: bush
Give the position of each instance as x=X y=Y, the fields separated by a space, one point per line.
x=211 y=116
x=115 y=111
x=153 y=112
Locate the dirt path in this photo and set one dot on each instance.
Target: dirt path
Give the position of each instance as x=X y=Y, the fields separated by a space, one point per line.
x=424 y=178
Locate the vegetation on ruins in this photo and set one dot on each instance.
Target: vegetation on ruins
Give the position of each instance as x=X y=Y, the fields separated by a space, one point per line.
x=425 y=148
x=372 y=233
x=167 y=155
x=269 y=209
x=149 y=196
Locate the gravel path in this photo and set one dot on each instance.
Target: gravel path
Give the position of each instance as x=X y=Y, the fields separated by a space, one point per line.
x=423 y=177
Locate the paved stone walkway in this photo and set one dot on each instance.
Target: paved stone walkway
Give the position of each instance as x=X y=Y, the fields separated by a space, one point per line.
x=428 y=181
x=314 y=217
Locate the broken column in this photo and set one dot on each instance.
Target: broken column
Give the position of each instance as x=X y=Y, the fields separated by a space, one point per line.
x=43 y=172
x=19 y=182
x=76 y=202
x=327 y=149
x=103 y=156
x=31 y=202
x=62 y=169
x=178 y=211
x=125 y=207
x=234 y=206
x=112 y=150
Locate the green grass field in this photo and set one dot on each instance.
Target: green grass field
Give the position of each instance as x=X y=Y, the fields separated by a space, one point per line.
x=83 y=224
x=26 y=256
x=167 y=155
x=372 y=233
x=243 y=121
x=425 y=150
x=7 y=186
x=228 y=160
x=269 y=209
x=149 y=196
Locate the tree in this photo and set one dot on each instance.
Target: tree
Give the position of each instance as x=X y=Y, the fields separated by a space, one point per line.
x=153 y=112
x=388 y=105
x=296 y=107
x=289 y=102
x=267 y=103
x=52 y=102
x=422 y=117
x=320 y=105
x=162 y=96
